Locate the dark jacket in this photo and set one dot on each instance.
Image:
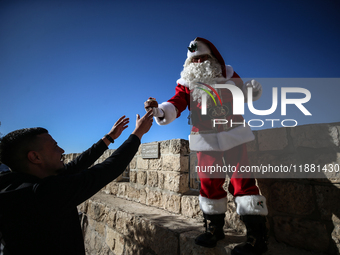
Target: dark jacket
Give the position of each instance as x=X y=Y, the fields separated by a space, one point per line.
x=39 y=216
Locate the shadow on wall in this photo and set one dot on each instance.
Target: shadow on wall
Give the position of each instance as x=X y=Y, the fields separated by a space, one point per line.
x=304 y=205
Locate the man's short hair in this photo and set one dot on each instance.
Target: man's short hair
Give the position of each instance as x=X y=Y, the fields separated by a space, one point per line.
x=15 y=146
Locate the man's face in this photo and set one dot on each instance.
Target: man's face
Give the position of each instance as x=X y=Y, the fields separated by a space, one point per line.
x=51 y=154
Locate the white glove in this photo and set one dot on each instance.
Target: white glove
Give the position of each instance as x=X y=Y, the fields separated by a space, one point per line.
x=254 y=84
x=157 y=112
x=257 y=88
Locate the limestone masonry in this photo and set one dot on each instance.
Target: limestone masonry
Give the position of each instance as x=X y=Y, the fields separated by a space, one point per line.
x=153 y=207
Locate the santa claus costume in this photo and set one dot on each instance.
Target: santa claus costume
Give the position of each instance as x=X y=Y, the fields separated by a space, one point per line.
x=218 y=146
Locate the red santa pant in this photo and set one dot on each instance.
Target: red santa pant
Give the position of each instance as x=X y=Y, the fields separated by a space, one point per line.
x=212 y=184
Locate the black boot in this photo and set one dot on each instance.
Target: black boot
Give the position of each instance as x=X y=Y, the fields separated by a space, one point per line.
x=256 y=236
x=213 y=233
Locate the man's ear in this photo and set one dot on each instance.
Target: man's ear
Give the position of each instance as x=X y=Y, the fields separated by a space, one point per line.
x=33 y=157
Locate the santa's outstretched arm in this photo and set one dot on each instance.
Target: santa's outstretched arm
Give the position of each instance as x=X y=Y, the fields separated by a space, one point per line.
x=164 y=113
x=169 y=113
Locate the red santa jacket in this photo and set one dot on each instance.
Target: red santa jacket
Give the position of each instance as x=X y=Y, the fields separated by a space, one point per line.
x=204 y=135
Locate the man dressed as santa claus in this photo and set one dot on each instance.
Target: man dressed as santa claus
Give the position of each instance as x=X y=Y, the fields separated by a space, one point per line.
x=218 y=145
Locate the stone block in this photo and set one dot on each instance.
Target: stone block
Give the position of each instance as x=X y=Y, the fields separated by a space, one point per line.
x=232 y=219
x=133 y=163
x=252 y=145
x=99 y=227
x=155 y=164
x=133 y=176
x=141 y=231
x=141 y=177
x=272 y=139
x=106 y=189
x=152 y=178
x=142 y=164
x=292 y=197
x=317 y=157
x=195 y=183
x=188 y=246
x=110 y=219
x=122 y=190
x=315 y=136
x=113 y=187
x=176 y=163
x=161 y=179
x=142 y=196
x=176 y=182
x=190 y=206
x=302 y=233
x=266 y=191
x=115 y=241
x=94 y=244
x=134 y=248
x=256 y=159
x=96 y=211
x=160 y=235
x=132 y=193
x=124 y=223
x=179 y=146
x=172 y=202
x=164 y=147
x=154 y=197
x=193 y=160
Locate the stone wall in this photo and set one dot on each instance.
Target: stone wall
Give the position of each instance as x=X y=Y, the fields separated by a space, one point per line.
x=158 y=182
x=303 y=212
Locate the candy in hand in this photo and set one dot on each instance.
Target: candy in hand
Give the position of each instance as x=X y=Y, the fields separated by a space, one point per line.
x=150 y=103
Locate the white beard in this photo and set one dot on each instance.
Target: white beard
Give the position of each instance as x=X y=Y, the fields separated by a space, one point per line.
x=206 y=72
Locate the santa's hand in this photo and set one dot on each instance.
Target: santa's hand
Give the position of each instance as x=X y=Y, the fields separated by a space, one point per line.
x=257 y=88
x=254 y=84
x=157 y=112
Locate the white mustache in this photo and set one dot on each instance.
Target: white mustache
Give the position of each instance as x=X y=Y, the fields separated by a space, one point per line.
x=205 y=72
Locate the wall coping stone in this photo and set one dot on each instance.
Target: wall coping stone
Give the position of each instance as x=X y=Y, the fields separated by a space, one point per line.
x=182 y=228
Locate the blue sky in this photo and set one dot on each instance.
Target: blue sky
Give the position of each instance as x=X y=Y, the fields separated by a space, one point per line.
x=74 y=67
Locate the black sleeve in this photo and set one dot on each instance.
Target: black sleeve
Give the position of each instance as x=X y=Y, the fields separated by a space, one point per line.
x=63 y=192
x=86 y=159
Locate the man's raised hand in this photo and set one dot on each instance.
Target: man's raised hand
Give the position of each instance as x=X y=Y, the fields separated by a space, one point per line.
x=118 y=127
x=143 y=124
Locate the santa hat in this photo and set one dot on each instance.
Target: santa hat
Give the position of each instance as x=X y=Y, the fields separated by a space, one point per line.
x=201 y=46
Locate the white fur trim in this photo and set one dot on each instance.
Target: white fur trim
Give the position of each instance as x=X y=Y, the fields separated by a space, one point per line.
x=251 y=205
x=203 y=142
x=234 y=137
x=202 y=49
x=221 y=141
x=213 y=206
x=182 y=82
x=229 y=71
x=170 y=113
